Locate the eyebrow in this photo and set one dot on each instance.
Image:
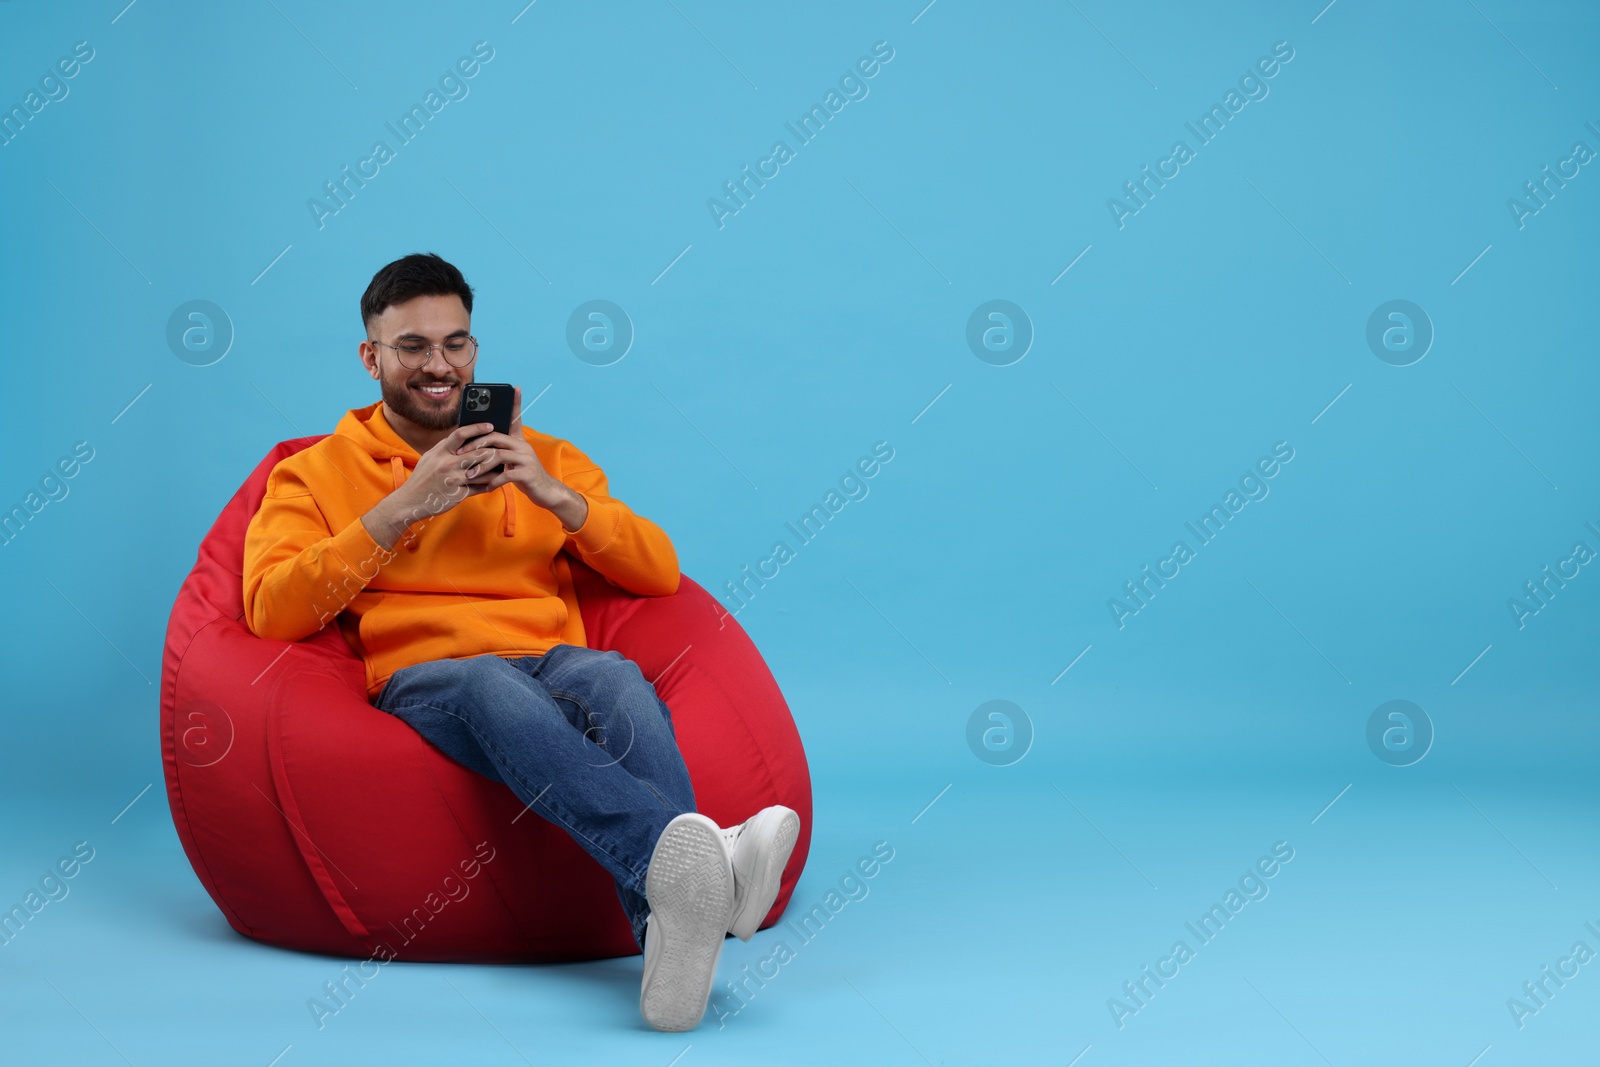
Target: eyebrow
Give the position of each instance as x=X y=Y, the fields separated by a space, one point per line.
x=414 y=336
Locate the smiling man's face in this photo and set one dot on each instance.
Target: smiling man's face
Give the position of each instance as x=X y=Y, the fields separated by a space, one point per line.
x=422 y=417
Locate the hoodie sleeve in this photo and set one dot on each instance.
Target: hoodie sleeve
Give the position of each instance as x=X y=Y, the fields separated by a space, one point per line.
x=627 y=549
x=298 y=575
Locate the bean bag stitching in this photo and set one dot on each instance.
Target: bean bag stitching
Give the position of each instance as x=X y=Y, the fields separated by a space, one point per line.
x=280 y=780
x=766 y=763
x=499 y=891
x=787 y=885
x=785 y=891
x=738 y=706
x=488 y=744
x=617 y=638
x=619 y=614
x=175 y=783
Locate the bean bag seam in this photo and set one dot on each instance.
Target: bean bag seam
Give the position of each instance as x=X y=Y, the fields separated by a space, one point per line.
x=331 y=894
x=429 y=765
x=769 y=750
x=488 y=744
x=175 y=793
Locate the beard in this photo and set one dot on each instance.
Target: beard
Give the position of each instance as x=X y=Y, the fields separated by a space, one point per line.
x=407 y=402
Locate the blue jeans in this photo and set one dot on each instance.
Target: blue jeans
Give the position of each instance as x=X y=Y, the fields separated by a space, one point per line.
x=577 y=734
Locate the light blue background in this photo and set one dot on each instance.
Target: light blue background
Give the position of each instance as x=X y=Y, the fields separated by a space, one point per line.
x=772 y=353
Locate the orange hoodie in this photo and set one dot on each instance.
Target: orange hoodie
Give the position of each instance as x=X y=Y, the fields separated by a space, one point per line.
x=485 y=576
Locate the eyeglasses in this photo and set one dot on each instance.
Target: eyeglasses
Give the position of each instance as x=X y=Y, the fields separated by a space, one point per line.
x=414 y=355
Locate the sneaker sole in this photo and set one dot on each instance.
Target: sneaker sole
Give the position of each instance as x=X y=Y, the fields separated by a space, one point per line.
x=781 y=829
x=690 y=889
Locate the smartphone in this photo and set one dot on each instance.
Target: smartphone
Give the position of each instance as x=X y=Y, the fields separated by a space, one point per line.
x=487 y=402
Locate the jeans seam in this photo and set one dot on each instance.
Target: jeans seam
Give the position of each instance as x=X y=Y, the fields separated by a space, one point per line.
x=576 y=698
x=588 y=717
x=560 y=813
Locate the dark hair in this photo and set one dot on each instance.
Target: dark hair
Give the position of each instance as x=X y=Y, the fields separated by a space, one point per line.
x=419 y=274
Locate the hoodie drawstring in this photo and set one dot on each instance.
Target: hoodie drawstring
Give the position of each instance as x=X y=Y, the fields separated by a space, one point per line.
x=508 y=522
x=397 y=475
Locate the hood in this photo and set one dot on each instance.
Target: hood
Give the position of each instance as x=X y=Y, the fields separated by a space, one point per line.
x=373 y=435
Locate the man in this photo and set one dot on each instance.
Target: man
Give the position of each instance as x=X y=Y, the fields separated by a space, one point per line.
x=471 y=634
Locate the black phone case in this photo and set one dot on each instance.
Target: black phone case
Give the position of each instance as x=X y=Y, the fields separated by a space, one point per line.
x=487 y=402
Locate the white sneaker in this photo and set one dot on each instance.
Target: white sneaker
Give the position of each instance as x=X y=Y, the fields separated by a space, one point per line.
x=758 y=849
x=690 y=887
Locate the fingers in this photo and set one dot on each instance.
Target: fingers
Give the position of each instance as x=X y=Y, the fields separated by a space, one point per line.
x=464 y=433
x=485 y=482
x=489 y=439
x=484 y=458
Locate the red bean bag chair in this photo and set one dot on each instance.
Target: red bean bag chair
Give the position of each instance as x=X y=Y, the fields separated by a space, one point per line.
x=318 y=822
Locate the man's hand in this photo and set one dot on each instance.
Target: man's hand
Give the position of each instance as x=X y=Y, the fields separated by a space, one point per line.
x=442 y=478
x=439 y=483
x=522 y=469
